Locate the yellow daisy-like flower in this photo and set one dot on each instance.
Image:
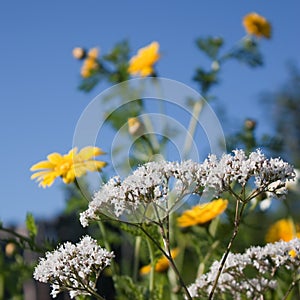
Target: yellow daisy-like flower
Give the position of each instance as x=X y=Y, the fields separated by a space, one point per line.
x=284 y=230
x=161 y=265
x=257 y=25
x=67 y=166
x=203 y=213
x=142 y=63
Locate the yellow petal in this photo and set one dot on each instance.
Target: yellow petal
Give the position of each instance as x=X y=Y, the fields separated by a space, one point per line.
x=89 y=152
x=71 y=154
x=39 y=174
x=91 y=165
x=145 y=270
x=69 y=176
x=47 y=181
x=54 y=158
x=79 y=170
x=45 y=164
x=201 y=214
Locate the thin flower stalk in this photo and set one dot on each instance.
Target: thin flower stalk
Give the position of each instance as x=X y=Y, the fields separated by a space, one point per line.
x=237 y=219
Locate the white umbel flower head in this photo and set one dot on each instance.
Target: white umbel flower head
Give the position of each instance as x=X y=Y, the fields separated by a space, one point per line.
x=73 y=268
x=269 y=175
x=264 y=262
x=156 y=188
x=152 y=190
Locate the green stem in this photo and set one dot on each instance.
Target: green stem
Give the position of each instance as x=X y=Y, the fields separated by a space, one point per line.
x=192 y=127
x=137 y=248
x=292 y=285
x=166 y=239
x=201 y=267
x=181 y=281
x=2 y=282
x=237 y=219
x=23 y=239
x=96 y=295
x=167 y=254
x=149 y=128
x=107 y=247
x=152 y=259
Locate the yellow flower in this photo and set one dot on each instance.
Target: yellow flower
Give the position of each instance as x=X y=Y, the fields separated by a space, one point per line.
x=161 y=265
x=284 y=230
x=67 y=166
x=93 y=53
x=90 y=64
x=142 y=63
x=257 y=25
x=203 y=213
x=78 y=53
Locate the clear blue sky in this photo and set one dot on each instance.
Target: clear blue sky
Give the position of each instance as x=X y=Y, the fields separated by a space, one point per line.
x=39 y=78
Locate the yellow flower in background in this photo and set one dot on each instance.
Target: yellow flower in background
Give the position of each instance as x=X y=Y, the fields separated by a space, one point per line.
x=91 y=63
x=203 y=213
x=257 y=25
x=67 y=166
x=284 y=230
x=78 y=53
x=161 y=265
x=142 y=63
x=93 y=53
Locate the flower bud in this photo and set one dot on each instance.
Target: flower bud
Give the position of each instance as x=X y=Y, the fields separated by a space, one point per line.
x=79 y=53
x=250 y=124
x=93 y=53
x=135 y=127
x=10 y=249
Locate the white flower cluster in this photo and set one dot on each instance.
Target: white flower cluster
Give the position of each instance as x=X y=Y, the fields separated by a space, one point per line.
x=151 y=183
x=73 y=268
x=269 y=174
x=264 y=261
x=155 y=183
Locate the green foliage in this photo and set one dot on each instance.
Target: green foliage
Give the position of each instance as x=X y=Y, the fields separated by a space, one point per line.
x=210 y=46
x=14 y=272
x=206 y=79
x=284 y=104
x=120 y=116
x=112 y=67
x=127 y=289
x=248 y=53
x=89 y=83
x=31 y=225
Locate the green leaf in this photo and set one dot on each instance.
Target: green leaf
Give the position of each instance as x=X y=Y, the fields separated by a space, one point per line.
x=30 y=225
x=119 y=54
x=210 y=46
x=120 y=116
x=89 y=83
x=206 y=79
x=248 y=53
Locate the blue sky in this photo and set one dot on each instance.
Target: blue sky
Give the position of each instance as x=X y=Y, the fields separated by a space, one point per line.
x=40 y=100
